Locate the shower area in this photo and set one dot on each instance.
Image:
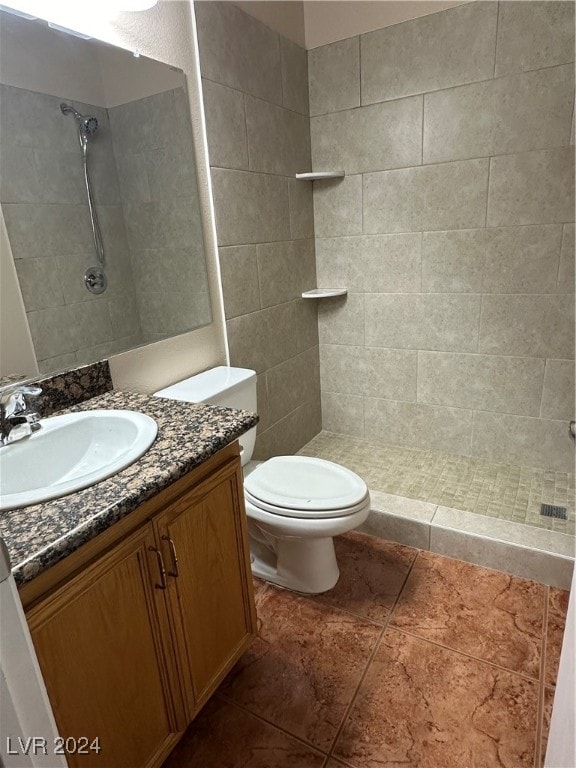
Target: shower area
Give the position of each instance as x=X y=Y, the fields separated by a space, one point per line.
x=445 y=376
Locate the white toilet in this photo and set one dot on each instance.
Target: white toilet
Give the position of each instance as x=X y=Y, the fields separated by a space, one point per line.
x=294 y=504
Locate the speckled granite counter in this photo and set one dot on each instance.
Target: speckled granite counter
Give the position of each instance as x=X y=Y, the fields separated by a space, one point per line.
x=39 y=536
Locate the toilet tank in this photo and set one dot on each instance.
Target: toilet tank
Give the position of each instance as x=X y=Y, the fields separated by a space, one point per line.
x=224 y=386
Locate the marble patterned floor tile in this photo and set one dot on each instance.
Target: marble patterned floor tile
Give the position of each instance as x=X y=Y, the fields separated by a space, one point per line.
x=423 y=706
x=372 y=572
x=303 y=670
x=484 y=613
x=557 y=609
x=228 y=737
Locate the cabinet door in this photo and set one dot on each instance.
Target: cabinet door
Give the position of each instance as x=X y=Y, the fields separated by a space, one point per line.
x=98 y=641
x=204 y=540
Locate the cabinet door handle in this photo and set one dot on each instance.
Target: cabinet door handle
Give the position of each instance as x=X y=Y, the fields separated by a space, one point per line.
x=174 y=572
x=163 y=582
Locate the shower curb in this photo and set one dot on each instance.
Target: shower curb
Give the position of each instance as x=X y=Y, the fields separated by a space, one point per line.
x=515 y=548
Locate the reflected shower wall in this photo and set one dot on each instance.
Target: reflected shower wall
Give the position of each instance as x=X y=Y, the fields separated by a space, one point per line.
x=152 y=140
x=144 y=182
x=44 y=204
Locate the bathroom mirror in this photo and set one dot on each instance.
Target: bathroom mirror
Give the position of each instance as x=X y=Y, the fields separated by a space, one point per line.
x=98 y=194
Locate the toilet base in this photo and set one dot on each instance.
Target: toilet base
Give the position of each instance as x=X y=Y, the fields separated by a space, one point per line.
x=303 y=565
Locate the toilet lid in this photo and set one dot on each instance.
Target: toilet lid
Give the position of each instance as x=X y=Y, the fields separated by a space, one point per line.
x=302 y=486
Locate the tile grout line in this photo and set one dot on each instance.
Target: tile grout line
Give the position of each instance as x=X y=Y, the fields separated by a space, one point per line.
x=219 y=694
x=370 y=660
x=466 y=655
x=542 y=686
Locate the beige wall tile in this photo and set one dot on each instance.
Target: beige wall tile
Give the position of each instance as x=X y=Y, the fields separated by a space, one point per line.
x=447 y=322
x=418 y=426
x=500 y=260
x=240 y=286
x=225 y=126
x=370 y=263
x=262 y=402
x=558 y=394
x=294 y=60
x=250 y=207
x=338 y=207
x=534 y=34
x=305 y=324
x=278 y=139
x=531 y=188
x=372 y=372
x=91 y=323
x=343 y=414
x=238 y=51
x=262 y=339
x=446 y=196
x=292 y=383
x=334 y=76
x=52 y=331
x=65 y=229
x=291 y=433
x=519 y=440
x=565 y=283
x=408 y=58
x=533 y=326
x=486 y=383
x=285 y=269
x=39 y=281
x=522 y=259
x=125 y=317
x=453 y=261
x=370 y=138
x=341 y=320
x=301 y=209
x=510 y=114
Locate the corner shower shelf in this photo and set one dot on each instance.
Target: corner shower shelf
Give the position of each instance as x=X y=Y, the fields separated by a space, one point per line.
x=320 y=175
x=324 y=293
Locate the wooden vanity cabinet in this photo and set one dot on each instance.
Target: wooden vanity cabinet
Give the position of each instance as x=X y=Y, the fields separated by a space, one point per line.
x=132 y=643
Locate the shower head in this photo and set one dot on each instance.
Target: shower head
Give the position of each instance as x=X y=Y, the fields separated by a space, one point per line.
x=87 y=126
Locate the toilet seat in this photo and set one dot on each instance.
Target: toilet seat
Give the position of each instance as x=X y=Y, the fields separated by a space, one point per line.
x=305 y=487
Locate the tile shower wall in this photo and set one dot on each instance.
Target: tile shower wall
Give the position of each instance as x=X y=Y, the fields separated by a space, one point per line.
x=44 y=205
x=452 y=230
x=256 y=102
x=152 y=138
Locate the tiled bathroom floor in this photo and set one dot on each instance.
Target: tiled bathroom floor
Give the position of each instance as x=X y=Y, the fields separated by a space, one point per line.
x=413 y=660
x=506 y=491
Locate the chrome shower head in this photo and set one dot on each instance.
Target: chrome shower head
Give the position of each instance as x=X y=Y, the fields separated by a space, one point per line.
x=87 y=126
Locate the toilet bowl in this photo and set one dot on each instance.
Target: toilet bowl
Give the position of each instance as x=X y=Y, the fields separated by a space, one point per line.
x=295 y=505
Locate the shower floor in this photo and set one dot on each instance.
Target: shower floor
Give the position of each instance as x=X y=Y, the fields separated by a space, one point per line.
x=494 y=489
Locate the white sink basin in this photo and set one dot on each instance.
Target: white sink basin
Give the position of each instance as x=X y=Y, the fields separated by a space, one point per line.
x=71 y=452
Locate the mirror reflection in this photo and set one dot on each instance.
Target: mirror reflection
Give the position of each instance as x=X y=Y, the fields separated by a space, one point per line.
x=98 y=193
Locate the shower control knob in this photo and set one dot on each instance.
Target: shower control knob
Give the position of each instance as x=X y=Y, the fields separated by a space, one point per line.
x=95 y=280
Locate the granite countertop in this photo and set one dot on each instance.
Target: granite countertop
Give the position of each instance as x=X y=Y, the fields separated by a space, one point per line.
x=41 y=535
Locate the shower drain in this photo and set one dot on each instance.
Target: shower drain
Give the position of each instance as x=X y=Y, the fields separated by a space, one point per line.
x=550 y=510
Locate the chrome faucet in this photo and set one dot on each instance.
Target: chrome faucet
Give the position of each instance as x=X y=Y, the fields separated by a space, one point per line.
x=16 y=421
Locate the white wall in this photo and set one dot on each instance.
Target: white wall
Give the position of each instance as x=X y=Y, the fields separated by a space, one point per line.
x=561 y=748
x=326 y=21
